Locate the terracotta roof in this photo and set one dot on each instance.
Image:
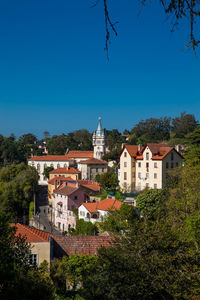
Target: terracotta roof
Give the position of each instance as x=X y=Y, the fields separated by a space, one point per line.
x=65 y=190
x=50 y=158
x=93 y=161
x=132 y=150
x=91 y=185
x=107 y=204
x=65 y=171
x=87 y=245
x=159 y=151
x=31 y=234
x=80 y=154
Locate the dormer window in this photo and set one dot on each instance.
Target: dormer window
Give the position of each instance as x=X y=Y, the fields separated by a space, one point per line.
x=125 y=154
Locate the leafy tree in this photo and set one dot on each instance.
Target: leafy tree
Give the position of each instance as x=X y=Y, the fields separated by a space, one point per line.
x=84 y=228
x=152 y=130
x=149 y=201
x=119 y=221
x=114 y=139
x=57 y=144
x=47 y=170
x=193 y=138
x=31 y=209
x=148 y=262
x=184 y=124
x=108 y=181
x=84 y=139
x=112 y=155
x=18 y=184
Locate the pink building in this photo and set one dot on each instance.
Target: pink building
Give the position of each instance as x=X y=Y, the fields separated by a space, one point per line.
x=67 y=198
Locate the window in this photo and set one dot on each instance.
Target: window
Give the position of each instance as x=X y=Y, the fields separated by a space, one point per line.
x=125 y=154
x=82 y=213
x=33 y=259
x=102 y=170
x=125 y=164
x=125 y=176
x=139 y=175
x=155 y=165
x=147 y=165
x=65 y=165
x=38 y=167
x=125 y=184
x=75 y=197
x=147 y=175
x=176 y=164
x=167 y=165
x=155 y=186
x=155 y=175
x=133 y=174
x=133 y=164
x=70 y=213
x=96 y=170
x=63 y=227
x=172 y=165
x=172 y=155
x=147 y=156
x=139 y=165
x=147 y=185
x=58 y=166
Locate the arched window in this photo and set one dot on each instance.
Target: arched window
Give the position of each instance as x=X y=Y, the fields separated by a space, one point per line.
x=38 y=167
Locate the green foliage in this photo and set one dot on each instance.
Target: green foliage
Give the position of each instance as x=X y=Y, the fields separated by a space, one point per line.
x=149 y=201
x=112 y=155
x=151 y=130
x=119 y=196
x=77 y=140
x=104 y=195
x=183 y=125
x=18 y=184
x=119 y=221
x=31 y=209
x=47 y=170
x=84 y=228
x=108 y=181
x=78 y=267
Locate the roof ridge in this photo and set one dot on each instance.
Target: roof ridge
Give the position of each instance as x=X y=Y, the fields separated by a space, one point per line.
x=34 y=230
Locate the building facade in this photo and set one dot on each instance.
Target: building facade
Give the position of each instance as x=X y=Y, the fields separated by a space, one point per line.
x=91 y=167
x=146 y=167
x=55 y=161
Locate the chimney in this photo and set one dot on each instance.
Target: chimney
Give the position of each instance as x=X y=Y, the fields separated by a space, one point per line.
x=139 y=147
x=123 y=144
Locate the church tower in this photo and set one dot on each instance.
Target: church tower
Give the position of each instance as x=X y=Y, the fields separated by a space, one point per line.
x=99 y=141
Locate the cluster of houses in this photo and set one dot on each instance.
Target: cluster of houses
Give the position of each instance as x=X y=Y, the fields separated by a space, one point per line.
x=72 y=186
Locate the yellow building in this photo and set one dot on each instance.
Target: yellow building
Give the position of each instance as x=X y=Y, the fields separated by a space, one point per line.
x=57 y=175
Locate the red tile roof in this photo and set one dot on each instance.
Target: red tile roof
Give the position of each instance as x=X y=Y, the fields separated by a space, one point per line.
x=132 y=150
x=60 y=178
x=87 y=245
x=65 y=171
x=80 y=154
x=159 y=151
x=93 y=161
x=91 y=185
x=65 y=190
x=50 y=158
x=31 y=234
x=107 y=204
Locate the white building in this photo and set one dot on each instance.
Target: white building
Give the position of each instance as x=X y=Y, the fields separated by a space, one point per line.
x=146 y=167
x=55 y=161
x=97 y=211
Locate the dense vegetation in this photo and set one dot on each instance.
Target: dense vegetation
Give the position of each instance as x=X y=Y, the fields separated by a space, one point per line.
x=153 y=130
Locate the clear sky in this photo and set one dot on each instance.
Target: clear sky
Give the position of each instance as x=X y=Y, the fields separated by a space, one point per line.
x=54 y=74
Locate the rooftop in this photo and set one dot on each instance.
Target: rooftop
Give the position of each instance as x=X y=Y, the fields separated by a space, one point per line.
x=31 y=234
x=93 y=161
x=80 y=154
x=82 y=244
x=65 y=171
x=50 y=158
x=107 y=204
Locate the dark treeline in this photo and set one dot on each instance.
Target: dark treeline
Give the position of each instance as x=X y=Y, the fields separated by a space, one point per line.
x=152 y=130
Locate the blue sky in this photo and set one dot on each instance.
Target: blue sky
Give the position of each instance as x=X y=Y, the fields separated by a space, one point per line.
x=54 y=74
